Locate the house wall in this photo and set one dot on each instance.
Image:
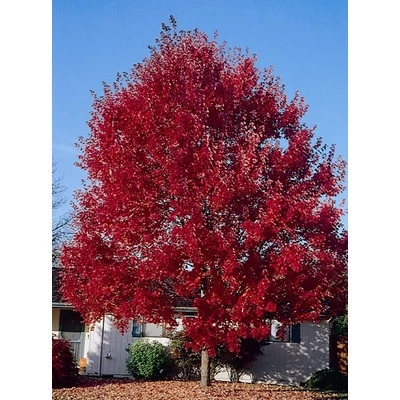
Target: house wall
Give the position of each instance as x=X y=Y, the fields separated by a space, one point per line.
x=86 y=338
x=290 y=363
x=55 y=321
x=115 y=345
x=281 y=362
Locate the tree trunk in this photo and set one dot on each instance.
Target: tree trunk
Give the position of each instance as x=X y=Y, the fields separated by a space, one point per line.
x=205 y=369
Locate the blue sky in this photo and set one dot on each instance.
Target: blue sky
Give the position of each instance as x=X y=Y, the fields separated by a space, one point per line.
x=305 y=41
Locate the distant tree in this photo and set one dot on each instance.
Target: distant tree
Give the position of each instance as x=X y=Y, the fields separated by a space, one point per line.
x=339 y=324
x=204 y=183
x=60 y=221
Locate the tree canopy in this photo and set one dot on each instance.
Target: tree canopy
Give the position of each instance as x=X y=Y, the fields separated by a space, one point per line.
x=204 y=185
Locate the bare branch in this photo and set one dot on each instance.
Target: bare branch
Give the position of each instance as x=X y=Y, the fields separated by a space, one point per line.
x=60 y=227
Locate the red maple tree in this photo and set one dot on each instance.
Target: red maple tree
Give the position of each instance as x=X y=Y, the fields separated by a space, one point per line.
x=203 y=183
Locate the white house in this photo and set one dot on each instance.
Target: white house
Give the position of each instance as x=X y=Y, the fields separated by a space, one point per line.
x=102 y=350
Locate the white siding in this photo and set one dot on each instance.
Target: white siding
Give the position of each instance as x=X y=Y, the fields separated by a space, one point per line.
x=281 y=362
x=94 y=345
x=290 y=362
x=114 y=346
x=86 y=337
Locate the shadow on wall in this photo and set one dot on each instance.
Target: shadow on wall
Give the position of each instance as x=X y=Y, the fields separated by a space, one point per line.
x=281 y=362
x=294 y=362
x=290 y=363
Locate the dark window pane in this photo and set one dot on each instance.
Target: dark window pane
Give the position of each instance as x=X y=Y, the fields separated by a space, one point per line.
x=136 y=329
x=296 y=333
x=70 y=321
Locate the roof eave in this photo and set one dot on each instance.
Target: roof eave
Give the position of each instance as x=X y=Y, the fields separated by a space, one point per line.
x=61 y=305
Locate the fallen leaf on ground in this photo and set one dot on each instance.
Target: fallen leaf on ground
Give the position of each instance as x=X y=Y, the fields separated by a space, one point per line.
x=126 y=389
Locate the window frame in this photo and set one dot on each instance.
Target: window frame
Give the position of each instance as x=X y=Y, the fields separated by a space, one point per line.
x=137 y=329
x=292 y=333
x=144 y=331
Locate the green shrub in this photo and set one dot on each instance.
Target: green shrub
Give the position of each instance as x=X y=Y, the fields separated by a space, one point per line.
x=148 y=360
x=64 y=368
x=327 y=379
x=340 y=325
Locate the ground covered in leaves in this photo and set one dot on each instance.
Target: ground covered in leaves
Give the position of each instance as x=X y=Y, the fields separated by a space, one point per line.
x=126 y=389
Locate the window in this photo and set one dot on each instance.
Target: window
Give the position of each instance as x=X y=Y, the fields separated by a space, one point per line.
x=292 y=333
x=140 y=329
x=136 y=329
x=153 y=330
x=71 y=321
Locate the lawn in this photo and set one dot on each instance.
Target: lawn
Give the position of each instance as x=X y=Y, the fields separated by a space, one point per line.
x=117 y=389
